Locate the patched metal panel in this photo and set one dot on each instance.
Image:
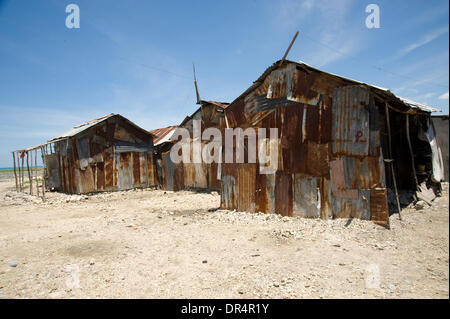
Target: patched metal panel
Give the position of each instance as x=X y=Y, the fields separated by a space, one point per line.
x=378 y=207
x=358 y=207
x=283 y=194
x=152 y=170
x=200 y=180
x=350 y=125
x=168 y=168
x=124 y=171
x=189 y=174
x=143 y=170
x=265 y=193
x=53 y=180
x=306 y=196
x=246 y=187
x=228 y=194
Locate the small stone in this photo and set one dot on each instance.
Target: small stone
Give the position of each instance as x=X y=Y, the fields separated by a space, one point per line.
x=276 y=284
x=420 y=205
x=91 y=262
x=13 y=264
x=204 y=261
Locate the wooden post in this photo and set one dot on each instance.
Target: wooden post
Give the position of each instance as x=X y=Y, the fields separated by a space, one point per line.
x=36 y=172
x=15 y=173
x=288 y=49
x=23 y=178
x=29 y=175
x=391 y=163
x=19 y=172
x=43 y=171
x=411 y=152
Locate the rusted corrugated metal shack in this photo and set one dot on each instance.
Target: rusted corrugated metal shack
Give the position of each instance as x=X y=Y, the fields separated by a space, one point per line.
x=106 y=154
x=333 y=140
x=177 y=176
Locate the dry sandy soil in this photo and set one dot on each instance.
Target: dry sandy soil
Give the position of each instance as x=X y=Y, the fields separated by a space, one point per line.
x=156 y=244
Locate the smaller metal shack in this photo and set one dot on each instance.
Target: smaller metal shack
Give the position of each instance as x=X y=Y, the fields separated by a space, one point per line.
x=343 y=148
x=198 y=176
x=106 y=154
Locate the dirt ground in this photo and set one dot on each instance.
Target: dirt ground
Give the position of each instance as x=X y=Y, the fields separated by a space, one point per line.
x=156 y=244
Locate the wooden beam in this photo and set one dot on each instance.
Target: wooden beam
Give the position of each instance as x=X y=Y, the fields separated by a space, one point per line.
x=22 y=169
x=29 y=175
x=44 y=164
x=36 y=172
x=411 y=152
x=15 y=173
x=288 y=49
x=391 y=163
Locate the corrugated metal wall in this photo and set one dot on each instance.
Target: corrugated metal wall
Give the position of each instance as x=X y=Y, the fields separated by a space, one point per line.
x=110 y=156
x=330 y=161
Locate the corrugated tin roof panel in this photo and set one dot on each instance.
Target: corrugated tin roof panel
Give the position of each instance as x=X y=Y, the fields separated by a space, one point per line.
x=163 y=135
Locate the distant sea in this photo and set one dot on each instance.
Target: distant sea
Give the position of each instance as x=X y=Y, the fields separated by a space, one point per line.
x=11 y=168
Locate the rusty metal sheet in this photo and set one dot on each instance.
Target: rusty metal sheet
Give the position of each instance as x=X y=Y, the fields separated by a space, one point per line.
x=178 y=177
x=200 y=180
x=378 y=207
x=228 y=196
x=213 y=182
x=189 y=175
x=350 y=125
x=358 y=207
x=136 y=169
x=283 y=194
x=143 y=169
x=124 y=171
x=306 y=196
x=100 y=170
x=325 y=198
x=151 y=170
x=246 y=187
x=317 y=159
x=265 y=193
x=85 y=180
x=168 y=168
x=109 y=169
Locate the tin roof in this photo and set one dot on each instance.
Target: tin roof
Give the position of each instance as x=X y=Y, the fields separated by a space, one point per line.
x=82 y=127
x=223 y=105
x=386 y=92
x=163 y=135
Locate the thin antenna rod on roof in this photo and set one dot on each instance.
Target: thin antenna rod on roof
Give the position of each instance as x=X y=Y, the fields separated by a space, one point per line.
x=287 y=51
x=195 y=83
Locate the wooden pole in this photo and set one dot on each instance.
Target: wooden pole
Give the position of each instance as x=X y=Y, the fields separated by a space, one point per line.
x=19 y=172
x=15 y=173
x=23 y=178
x=36 y=172
x=29 y=175
x=44 y=164
x=391 y=163
x=288 y=49
x=411 y=152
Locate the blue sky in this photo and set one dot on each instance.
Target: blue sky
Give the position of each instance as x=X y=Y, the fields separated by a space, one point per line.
x=135 y=57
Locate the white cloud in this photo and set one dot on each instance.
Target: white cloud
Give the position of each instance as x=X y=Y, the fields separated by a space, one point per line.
x=443 y=96
x=424 y=40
